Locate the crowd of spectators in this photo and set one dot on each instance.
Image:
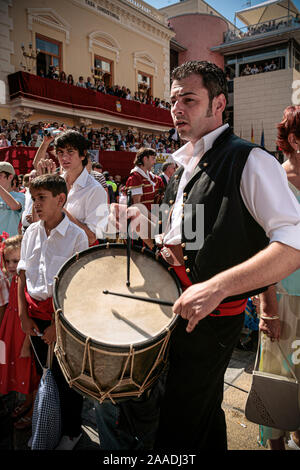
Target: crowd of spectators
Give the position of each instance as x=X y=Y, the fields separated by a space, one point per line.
x=253 y=69
x=104 y=138
x=100 y=86
x=260 y=28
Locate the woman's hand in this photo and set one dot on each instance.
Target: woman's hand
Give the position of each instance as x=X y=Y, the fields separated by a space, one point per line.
x=268 y=307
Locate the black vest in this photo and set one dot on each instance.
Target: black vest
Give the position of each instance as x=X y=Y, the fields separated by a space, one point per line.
x=231 y=235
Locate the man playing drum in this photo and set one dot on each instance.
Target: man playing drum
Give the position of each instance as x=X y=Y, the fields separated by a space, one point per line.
x=251 y=239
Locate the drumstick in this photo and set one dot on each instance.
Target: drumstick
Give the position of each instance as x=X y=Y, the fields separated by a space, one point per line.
x=144 y=299
x=128 y=248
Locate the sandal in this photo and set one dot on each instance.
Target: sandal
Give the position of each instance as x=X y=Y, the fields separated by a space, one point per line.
x=24 y=422
x=20 y=410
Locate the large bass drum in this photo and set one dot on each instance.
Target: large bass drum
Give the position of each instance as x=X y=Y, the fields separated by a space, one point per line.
x=110 y=347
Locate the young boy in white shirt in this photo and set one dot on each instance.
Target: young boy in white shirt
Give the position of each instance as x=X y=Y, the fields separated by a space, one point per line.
x=46 y=245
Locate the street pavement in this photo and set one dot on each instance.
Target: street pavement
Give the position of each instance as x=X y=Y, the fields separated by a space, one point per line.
x=242 y=434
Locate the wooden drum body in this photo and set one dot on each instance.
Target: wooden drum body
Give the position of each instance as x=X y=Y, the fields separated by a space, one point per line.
x=109 y=347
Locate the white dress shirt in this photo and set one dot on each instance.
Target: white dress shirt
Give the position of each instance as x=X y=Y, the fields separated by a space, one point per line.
x=87 y=202
x=264 y=190
x=27 y=208
x=42 y=256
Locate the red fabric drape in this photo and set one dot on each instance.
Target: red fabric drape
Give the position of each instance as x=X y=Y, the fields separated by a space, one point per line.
x=117 y=163
x=51 y=91
x=21 y=158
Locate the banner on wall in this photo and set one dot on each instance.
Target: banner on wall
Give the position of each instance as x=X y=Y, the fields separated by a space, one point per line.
x=160 y=160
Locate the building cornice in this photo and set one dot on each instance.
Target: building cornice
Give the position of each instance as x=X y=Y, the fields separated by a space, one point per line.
x=123 y=13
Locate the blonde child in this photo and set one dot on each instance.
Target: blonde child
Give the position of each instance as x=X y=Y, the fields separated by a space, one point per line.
x=17 y=370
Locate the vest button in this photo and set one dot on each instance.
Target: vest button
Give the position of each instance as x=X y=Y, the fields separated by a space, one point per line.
x=182 y=205
x=183 y=245
x=176 y=176
x=185 y=258
x=205 y=164
x=159 y=222
x=184 y=194
x=171 y=201
x=188 y=270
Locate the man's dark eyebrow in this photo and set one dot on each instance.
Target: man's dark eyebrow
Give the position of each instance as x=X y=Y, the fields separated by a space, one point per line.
x=184 y=94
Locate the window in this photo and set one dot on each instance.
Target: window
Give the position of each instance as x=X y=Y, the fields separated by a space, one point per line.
x=144 y=85
x=50 y=54
x=104 y=68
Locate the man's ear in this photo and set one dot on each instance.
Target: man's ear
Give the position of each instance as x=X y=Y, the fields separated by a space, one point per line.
x=220 y=103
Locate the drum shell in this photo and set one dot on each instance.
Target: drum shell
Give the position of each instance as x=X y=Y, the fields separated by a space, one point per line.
x=103 y=371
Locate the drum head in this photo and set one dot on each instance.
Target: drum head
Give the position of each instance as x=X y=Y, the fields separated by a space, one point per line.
x=109 y=319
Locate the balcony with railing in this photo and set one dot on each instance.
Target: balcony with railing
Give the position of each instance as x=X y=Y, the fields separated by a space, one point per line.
x=275 y=26
x=44 y=90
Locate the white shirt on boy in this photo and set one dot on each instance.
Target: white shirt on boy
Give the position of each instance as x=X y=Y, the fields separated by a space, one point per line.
x=42 y=256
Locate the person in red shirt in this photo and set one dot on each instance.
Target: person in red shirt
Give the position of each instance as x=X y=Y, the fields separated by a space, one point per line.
x=142 y=183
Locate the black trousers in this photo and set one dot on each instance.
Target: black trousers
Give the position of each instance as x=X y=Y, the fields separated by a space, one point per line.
x=191 y=416
x=71 y=402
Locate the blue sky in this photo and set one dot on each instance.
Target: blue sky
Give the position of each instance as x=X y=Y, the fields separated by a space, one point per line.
x=227 y=8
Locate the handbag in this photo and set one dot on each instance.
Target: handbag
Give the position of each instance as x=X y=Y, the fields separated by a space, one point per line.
x=46 y=418
x=273 y=399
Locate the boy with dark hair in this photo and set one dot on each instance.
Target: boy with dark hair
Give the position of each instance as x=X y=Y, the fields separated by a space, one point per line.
x=11 y=202
x=86 y=205
x=46 y=245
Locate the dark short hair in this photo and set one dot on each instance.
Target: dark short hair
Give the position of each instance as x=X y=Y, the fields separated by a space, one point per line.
x=214 y=78
x=96 y=165
x=166 y=165
x=74 y=139
x=51 y=182
x=141 y=153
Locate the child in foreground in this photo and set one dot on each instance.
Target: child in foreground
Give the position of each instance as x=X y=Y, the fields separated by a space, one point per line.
x=46 y=245
x=17 y=368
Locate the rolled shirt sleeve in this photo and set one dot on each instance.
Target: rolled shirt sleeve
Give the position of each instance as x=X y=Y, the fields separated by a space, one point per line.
x=268 y=198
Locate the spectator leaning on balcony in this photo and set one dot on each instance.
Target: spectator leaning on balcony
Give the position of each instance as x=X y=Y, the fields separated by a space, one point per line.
x=88 y=83
x=62 y=77
x=70 y=80
x=254 y=70
x=81 y=83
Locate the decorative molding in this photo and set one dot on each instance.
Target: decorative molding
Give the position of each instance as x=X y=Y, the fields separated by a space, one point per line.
x=21 y=113
x=85 y=122
x=166 y=68
x=144 y=58
x=48 y=17
x=105 y=40
x=129 y=18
